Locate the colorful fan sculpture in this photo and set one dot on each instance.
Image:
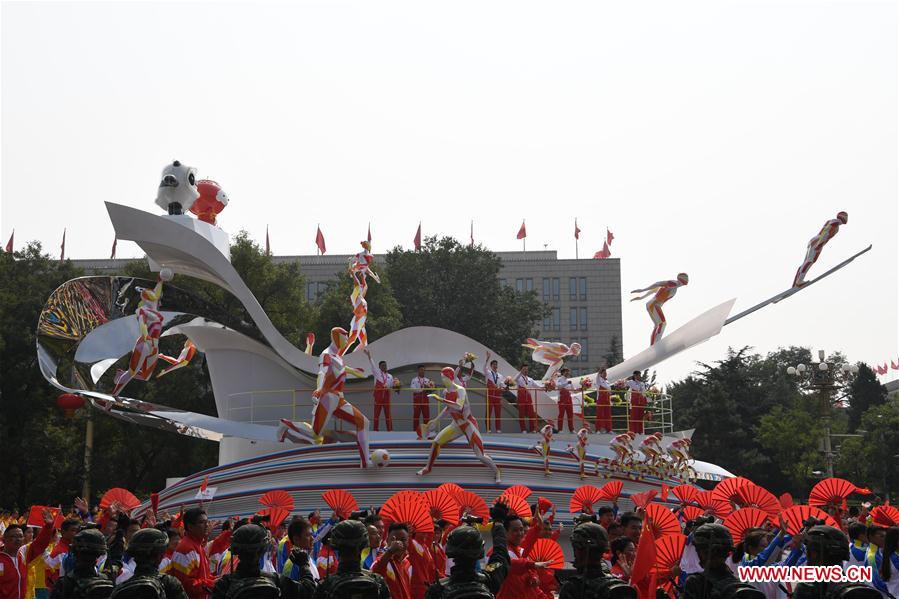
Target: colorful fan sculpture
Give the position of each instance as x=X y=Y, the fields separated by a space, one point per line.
x=342 y=502
x=785 y=500
x=516 y=504
x=442 y=506
x=548 y=550
x=798 y=514
x=611 y=491
x=276 y=515
x=583 y=498
x=752 y=495
x=122 y=498
x=685 y=493
x=278 y=498
x=833 y=491
x=691 y=512
x=519 y=490
x=452 y=488
x=663 y=521
x=641 y=500
x=663 y=495
x=743 y=520
x=669 y=550
x=727 y=489
x=410 y=508
x=885 y=515
x=472 y=504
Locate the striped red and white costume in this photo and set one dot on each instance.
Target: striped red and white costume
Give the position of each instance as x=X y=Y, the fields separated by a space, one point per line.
x=662 y=291
x=383 y=389
x=636 y=391
x=494 y=398
x=816 y=244
x=420 y=407
x=527 y=415
x=603 y=405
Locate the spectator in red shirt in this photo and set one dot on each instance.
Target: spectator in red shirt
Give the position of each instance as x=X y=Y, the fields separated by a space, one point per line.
x=393 y=564
x=14 y=563
x=190 y=564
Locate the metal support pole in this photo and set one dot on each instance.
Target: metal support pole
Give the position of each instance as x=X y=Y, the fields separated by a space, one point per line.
x=88 y=453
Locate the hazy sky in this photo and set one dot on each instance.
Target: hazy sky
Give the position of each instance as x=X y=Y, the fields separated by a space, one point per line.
x=713 y=138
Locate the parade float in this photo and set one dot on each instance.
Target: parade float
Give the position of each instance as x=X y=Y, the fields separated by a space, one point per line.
x=290 y=420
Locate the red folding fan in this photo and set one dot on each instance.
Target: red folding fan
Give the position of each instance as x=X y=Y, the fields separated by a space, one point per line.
x=641 y=500
x=548 y=550
x=668 y=551
x=452 y=488
x=123 y=498
x=519 y=490
x=743 y=520
x=702 y=497
x=472 y=504
x=342 y=502
x=796 y=515
x=277 y=499
x=544 y=505
x=785 y=500
x=717 y=508
x=583 y=498
x=611 y=490
x=442 y=506
x=833 y=491
x=663 y=521
x=276 y=516
x=727 y=489
x=516 y=504
x=685 y=493
x=885 y=515
x=752 y=495
x=691 y=512
x=410 y=508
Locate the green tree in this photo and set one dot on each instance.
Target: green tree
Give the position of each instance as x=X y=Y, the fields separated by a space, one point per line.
x=865 y=392
x=871 y=460
x=790 y=437
x=457 y=287
x=613 y=354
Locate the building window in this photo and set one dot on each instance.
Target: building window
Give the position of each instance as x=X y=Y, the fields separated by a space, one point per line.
x=584 y=356
x=572 y=319
x=519 y=285
x=557 y=319
x=320 y=290
x=583 y=318
x=310 y=292
x=502 y=282
x=548 y=323
x=530 y=284
x=556 y=286
x=547 y=289
x=583 y=285
x=572 y=288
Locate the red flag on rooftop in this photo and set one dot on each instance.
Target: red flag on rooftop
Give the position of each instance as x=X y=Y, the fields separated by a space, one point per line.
x=609 y=236
x=9 y=243
x=417 y=240
x=62 y=254
x=320 y=240
x=605 y=252
x=115 y=241
x=643 y=573
x=522 y=232
x=577 y=231
x=268 y=246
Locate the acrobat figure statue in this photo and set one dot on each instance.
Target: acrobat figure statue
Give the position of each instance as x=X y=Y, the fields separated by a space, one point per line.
x=542 y=446
x=679 y=459
x=651 y=448
x=552 y=354
x=579 y=451
x=187 y=354
x=360 y=270
x=662 y=291
x=146 y=349
x=328 y=393
x=455 y=401
x=817 y=244
x=622 y=446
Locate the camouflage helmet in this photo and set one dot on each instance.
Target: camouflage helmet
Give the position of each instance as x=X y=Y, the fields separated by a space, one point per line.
x=89 y=540
x=148 y=542
x=349 y=534
x=713 y=536
x=465 y=542
x=249 y=538
x=590 y=535
x=830 y=543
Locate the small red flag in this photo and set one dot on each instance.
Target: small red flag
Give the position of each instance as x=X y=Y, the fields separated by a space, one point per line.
x=154 y=502
x=664 y=493
x=605 y=252
x=417 y=240
x=577 y=231
x=643 y=574
x=320 y=240
x=268 y=247
x=369 y=232
x=62 y=255
x=115 y=240
x=522 y=232
x=609 y=236
x=9 y=243
x=205 y=484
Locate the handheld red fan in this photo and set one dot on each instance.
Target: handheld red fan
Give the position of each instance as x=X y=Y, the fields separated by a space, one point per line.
x=341 y=501
x=611 y=491
x=663 y=521
x=743 y=520
x=452 y=488
x=278 y=499
x=798 y=514
x=885 y=515
x=641 y=500
x=685 y=493
x=833 y=491
x=123 y=498
x=727 y=489
x=583 y=498
x=669 y=550
x=548 y=550
x=516 y=504
x=752 y=495
x=442 y=506
x=472 y=504
x=518 y=490
x=410 y=508
x=276 y=516
x=691 y=512
x=785 y=500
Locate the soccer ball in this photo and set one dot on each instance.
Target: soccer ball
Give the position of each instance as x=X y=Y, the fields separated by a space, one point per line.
x=380 y=458
x=166 y=274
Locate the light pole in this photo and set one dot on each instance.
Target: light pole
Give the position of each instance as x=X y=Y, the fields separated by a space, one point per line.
x=820 y=378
